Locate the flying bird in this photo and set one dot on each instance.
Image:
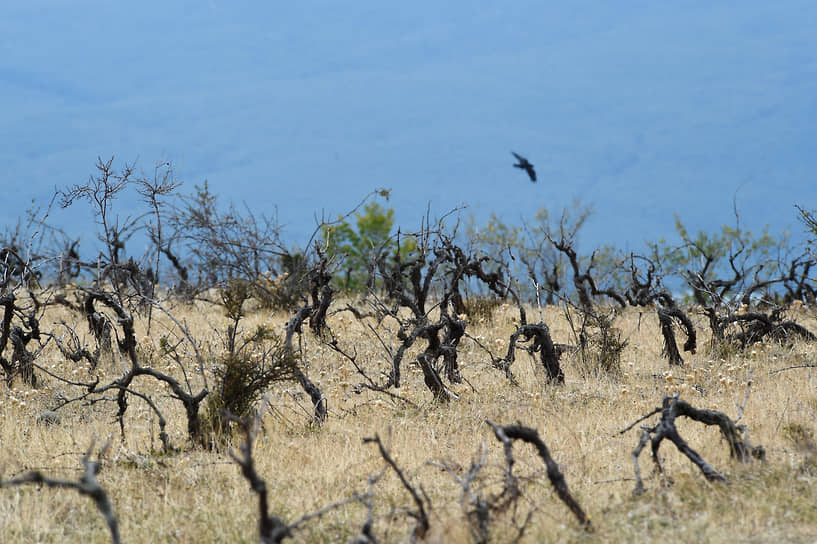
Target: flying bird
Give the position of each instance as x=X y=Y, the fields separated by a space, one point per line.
x=525 y=165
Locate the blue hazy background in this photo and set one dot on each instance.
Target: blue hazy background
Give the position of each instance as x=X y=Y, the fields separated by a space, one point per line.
x=640 y=108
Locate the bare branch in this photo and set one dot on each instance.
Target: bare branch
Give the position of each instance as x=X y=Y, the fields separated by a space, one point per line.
x=506 y=434
x=86 y=485
x=422 y=526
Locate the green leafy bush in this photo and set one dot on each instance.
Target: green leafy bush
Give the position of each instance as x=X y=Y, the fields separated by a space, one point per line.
x=358 y=249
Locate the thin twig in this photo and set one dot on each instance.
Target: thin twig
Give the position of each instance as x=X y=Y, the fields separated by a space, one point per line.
x=639 y=420
x=422 y=526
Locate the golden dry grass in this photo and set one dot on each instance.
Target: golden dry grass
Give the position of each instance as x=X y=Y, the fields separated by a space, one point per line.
x=199 y=496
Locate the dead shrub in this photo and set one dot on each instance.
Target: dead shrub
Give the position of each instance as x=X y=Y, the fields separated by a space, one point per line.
x=600 y=344
x=242 y=377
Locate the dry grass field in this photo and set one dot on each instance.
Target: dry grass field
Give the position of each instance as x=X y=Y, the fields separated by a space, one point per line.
x=197 y=495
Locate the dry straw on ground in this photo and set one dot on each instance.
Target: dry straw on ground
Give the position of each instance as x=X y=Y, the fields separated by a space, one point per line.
x=197 y=495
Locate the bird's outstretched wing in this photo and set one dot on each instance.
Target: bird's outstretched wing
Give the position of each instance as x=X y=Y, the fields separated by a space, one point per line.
x=525 y=165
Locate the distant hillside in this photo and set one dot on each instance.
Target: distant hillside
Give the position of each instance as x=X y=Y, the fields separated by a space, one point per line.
x=641 y=108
